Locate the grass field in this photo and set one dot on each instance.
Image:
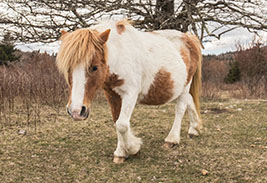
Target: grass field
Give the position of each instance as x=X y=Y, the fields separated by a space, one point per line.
x=232 y=147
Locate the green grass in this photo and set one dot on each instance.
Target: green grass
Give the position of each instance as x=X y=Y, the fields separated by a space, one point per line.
x=232 y=147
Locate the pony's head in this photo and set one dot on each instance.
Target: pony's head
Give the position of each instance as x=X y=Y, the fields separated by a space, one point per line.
x=82 y=60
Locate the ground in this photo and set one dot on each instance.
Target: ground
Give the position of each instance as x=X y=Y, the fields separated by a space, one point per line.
x=232 y=147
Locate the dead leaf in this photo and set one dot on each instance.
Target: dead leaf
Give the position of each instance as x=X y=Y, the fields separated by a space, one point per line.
x=204 y=172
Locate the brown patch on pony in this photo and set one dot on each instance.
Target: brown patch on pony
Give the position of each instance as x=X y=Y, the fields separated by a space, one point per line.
x=186 y=58
x=191 y=54
x=120 y=28
x=121 y=25
x=113 y=98
x=77 y=47
x=161 y=90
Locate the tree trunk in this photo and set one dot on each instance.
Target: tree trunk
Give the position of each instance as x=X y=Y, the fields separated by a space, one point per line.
x=166 y=18
x=164 y=13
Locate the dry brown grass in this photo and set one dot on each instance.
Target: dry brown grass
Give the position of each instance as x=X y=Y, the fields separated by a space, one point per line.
x=232 y=148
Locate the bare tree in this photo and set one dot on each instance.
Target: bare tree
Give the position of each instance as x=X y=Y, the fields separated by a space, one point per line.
x=40 y=20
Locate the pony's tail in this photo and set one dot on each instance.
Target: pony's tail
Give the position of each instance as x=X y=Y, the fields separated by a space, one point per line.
x=195 y=88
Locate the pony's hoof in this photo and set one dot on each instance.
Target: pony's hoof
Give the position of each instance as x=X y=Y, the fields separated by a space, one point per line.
x=136 y=154
x=193 y=132
x=118 y=160
x=168 y=145
x=190 y=135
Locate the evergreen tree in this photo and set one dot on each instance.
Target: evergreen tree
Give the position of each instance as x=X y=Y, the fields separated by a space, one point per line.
x=234 y=73
x=7 y=50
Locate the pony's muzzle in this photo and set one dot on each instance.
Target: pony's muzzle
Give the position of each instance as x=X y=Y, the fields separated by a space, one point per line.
x=78 y=115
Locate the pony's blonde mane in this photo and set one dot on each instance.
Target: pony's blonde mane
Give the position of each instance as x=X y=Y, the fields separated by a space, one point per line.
x=77 y=47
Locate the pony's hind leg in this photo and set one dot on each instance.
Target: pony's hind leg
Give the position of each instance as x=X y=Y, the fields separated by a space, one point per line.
x=174 y=135
x=195 y=121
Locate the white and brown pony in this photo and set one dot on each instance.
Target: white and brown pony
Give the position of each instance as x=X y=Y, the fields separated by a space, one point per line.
x=131 y=66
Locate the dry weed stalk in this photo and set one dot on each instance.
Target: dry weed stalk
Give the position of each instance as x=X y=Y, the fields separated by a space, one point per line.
x=28 y=84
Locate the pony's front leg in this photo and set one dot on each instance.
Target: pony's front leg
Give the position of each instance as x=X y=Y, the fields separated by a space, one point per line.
x=128 y=144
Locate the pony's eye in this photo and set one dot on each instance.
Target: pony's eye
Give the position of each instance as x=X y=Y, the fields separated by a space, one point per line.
x=94 y=68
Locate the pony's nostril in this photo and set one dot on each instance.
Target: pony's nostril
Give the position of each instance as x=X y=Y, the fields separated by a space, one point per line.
x=83 y=111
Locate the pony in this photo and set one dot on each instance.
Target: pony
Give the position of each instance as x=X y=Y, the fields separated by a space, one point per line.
x=132 y=66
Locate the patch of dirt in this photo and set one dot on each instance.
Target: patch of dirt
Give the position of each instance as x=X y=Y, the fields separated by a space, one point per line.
x=217 y=110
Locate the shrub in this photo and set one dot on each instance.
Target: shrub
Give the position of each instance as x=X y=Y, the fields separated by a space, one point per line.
x=253 y=66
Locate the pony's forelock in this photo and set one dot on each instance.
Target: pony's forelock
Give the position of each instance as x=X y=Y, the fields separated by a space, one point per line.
x=77 y=47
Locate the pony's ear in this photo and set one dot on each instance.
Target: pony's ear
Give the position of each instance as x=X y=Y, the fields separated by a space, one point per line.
x=63 y=33
x=104 y=35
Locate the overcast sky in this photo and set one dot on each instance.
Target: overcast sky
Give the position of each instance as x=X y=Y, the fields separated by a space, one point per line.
x=227 y=43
